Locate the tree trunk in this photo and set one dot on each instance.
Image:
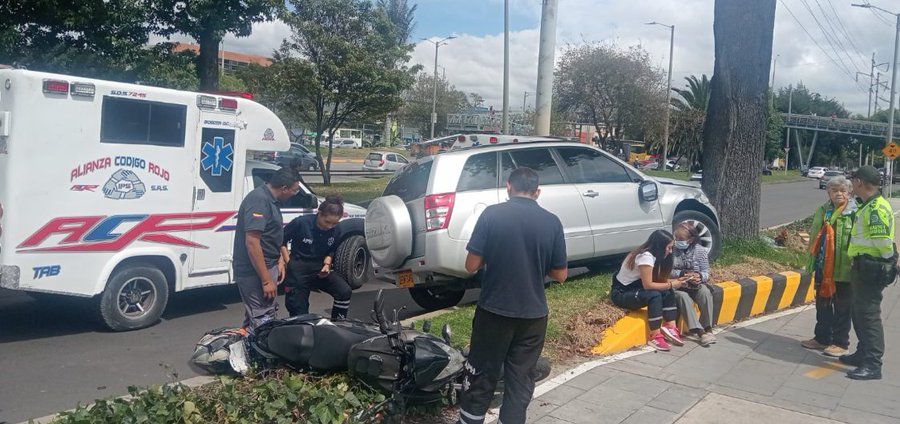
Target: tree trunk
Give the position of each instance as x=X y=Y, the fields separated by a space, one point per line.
x=734 y=134
x=208 y=62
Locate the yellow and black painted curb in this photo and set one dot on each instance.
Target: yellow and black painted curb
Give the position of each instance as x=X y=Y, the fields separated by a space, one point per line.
x=732 y=301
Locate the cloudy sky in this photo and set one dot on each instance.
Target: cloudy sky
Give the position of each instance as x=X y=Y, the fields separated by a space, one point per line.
x=823 y=44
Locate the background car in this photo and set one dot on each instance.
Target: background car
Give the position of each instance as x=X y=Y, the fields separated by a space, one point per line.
x=823 y=182
x=697 y=176
x=384 y=161
x=816 y=172
x=307 y=158
x=347 y=143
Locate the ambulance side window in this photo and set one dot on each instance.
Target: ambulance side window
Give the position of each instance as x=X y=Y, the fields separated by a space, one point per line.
x=129 y=121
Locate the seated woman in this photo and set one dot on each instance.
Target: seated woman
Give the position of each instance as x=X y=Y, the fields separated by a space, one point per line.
x=691 y=266
x=643 y=281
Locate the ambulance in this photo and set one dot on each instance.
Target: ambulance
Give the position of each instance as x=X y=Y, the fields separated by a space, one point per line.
x=127 y=193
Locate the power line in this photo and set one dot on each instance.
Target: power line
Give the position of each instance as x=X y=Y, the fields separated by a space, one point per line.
x=844 y=29
x=828 y=38
x=813 y=39
x=835 y=30
x=881 y=18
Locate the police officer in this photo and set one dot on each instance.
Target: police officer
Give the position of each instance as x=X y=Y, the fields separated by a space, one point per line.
x=873 y=268
x=257 y=259
x=314 y=240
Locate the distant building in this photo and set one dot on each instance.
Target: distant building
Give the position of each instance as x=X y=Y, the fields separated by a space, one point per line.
x=232 y=60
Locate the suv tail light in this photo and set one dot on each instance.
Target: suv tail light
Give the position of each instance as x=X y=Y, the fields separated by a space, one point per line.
x=438 y=209
x=381 y=163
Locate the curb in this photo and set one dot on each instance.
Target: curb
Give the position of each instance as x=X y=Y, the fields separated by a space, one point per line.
x=732 y=301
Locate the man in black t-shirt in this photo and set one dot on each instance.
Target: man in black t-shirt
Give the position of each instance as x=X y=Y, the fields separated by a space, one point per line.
x=518 y=244
x=257 y=262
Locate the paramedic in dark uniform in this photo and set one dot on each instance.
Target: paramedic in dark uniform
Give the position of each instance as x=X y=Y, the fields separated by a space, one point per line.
x=519 y=244
x=257 y=260
x=314 y=239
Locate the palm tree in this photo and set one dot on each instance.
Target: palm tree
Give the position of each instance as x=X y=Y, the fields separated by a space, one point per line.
x=696 y=96
x=402 y=15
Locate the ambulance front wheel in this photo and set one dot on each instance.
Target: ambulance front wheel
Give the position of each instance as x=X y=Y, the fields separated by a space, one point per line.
x=135 y=297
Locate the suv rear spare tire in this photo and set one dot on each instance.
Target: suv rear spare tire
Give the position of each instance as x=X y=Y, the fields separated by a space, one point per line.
x=352 y=261
x=435 y=298
x=135 y=297
x=389 y=231
x=710 y=235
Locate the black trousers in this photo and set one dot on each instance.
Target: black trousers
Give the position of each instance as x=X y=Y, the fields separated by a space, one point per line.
x=500 y=344
x=661 y=304
x=867 y=296
x=302 y=278
x=833 y=316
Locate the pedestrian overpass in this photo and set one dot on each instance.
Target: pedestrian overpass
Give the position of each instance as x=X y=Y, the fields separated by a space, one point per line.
x=852 y=127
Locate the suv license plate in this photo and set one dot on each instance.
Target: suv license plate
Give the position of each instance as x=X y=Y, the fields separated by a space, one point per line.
x=405 y=280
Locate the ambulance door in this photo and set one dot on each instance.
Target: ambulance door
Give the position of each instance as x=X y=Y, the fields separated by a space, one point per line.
x=218 y=180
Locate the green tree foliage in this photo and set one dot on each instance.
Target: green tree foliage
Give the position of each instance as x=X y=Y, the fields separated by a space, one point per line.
x=402 y=15
x=614 y=88
x=416 y=110
x=342 y=63
x=688 y=115
x=207 y=21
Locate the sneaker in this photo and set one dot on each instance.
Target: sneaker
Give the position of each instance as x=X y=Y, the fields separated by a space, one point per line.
x=707 y=339
x=672 y=335
x=658 y=342
x=812 y=344
x=834 y=351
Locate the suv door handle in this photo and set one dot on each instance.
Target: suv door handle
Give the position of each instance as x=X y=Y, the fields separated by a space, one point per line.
x=591 y=193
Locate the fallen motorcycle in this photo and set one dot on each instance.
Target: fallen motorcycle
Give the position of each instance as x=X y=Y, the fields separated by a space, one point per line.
x=409 y=366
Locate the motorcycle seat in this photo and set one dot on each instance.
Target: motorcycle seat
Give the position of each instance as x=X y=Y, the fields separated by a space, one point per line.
x=332 y=344
x=292 y=343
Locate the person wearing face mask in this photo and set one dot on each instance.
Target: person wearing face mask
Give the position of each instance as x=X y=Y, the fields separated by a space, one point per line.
x=691 y=266
x=313 y=240
x=643 y=280
x=830 y=264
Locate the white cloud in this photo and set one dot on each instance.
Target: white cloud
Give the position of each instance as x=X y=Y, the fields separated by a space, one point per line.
x=265 y=38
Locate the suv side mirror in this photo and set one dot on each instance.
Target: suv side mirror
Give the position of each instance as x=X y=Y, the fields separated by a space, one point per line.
x=648 y=191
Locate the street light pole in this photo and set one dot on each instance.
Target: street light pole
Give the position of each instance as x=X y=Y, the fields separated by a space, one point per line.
x=437 y=45
x=787 y=138
x=889 y=167
x=665 y=156
x=505 y=120
x=546 y=53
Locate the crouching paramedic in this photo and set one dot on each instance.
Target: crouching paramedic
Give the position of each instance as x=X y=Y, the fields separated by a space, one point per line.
x=314 y=239
x=518 y=243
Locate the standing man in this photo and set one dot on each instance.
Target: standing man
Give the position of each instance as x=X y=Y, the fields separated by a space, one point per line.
x=519 y=244
x=258 y=263
x=873 y=267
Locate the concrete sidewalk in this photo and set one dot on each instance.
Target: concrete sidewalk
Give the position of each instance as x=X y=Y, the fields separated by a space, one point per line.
x=756 y=373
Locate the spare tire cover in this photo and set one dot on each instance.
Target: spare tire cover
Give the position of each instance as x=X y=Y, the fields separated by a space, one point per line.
x=389 y=233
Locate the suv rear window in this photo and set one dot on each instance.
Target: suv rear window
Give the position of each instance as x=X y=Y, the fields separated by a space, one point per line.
x=479 y=173
x=411 y=182
x=374 y=156
x=539 y=160
x=129 y=121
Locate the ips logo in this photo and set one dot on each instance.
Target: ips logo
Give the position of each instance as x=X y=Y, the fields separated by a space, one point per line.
x=46 y=271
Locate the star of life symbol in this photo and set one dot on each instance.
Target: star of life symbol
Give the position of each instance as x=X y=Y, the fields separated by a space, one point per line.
x=217 y=156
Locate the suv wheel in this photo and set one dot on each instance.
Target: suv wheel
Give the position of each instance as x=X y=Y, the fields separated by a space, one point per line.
x=435 y=298
x=353 y=261
x=135 y=297
x=710 y=236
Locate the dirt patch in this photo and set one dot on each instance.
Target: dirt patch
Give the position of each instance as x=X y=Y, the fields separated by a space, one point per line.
x=792 y=239
x=584 y=331
x=749 y=268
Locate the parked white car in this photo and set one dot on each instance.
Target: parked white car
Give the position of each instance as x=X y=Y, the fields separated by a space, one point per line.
x=418 y=230
x=816 y=172
x=384 y=161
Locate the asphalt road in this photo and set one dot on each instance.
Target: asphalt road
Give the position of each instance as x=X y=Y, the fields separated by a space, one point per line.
x=53 y=356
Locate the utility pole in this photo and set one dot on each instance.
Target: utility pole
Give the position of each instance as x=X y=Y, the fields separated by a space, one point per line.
x=787 y=138
x=665 y=156
x=525 y=103
x=889 y=166
x=437 y=45
x=505 y=120
x=544 y=95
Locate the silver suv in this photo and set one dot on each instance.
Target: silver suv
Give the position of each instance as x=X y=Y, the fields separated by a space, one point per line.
x=418 y=230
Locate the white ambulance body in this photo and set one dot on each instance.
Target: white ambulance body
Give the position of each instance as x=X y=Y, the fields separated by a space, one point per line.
x=127 y=193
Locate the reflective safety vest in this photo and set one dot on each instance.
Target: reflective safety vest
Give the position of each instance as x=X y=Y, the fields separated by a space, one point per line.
x=873 y=230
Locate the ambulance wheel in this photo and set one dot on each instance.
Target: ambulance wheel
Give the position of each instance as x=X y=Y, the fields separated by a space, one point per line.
x=135 y=297
x=352 y=261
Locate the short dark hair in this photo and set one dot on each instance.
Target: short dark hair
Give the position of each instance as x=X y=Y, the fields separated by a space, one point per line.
x=284 y=177
x=524 y=180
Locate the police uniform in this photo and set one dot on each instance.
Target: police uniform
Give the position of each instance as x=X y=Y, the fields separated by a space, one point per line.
x=871 y=250
x=310 y=245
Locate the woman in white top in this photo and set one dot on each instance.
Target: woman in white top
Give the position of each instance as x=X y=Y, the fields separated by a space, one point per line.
x=643 y=281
